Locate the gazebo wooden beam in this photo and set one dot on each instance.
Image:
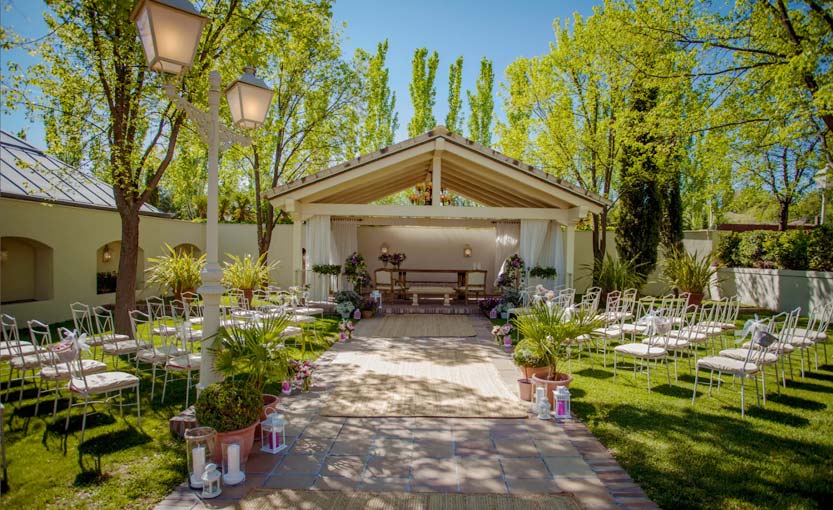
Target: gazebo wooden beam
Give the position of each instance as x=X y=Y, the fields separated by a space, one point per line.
x=435 y=211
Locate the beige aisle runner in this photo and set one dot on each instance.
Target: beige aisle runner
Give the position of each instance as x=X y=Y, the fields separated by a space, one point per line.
x=430 y=377
x=263 y=499
x=417 y=325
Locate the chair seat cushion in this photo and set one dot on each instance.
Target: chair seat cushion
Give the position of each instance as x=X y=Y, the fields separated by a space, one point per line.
x=291 y=331
x=727 y=365
x=186 y=362
x=31 y=361
x=719 y=325
x=104 y=382
x=122 y=347
x=635 y=328
x=777 y=348
x=307 y=310
x=800 y=341
x=818 y=336
x=165 y=330
x=60 y=372
x=641 y=350
x=159 y=354
x=195 y=320
x=741 y=354
x=610 y=331
x=106 y=338
x=691 y=336
x=26 y=348
x=669 y=343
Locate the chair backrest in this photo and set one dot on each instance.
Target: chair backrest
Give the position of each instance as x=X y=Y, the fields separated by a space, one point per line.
x=613 y=301
x=39 y=335
x=644 y=307
x=141 y=325
x=570 y=293
x=179 y=309
x=593 y=295
x=8 y=330
x=82 y=318
x=383 y=278
x=237 y=298
x=628 y=300
x=104 y=324
x=70 y=354
x=156 y=307
x=476 y=278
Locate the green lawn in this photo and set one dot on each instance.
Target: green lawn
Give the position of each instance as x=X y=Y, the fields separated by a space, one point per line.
x=707 y=456
x=119 y=465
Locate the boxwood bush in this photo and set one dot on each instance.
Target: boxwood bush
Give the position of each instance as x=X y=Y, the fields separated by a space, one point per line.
x=229 y=405
x=767 y=249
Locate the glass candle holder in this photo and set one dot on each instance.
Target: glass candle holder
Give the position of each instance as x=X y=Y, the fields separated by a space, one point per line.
x=234 y=464
x=200 y=443
x=273 y=433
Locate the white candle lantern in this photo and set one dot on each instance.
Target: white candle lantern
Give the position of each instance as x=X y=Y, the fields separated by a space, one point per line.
x=211 y=482
x=199 y=447
x=234 y=468
x=561 y=397
x=273 y=432
x=542 y=404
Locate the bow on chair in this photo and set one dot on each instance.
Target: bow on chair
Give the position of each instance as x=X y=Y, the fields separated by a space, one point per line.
x=757 y=328
x=657 y=324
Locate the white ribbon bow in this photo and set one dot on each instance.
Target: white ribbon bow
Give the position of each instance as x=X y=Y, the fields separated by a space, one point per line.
x=657 y=324
x=755 y=327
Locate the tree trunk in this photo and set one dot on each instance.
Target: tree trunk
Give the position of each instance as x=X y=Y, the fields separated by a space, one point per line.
x=599 y=238
x=128 y=260
x=783 y=215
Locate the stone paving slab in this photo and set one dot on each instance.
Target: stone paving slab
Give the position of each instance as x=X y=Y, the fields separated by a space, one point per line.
x=431 y=454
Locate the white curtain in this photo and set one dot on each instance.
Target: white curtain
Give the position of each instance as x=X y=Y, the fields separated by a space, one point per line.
x=533 y=237
x=344 y=242
x=318 y=240
x=554 y=254
x=506 y=243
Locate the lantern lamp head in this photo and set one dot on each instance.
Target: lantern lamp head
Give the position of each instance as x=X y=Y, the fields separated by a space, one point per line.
x=106 y=256
x=170 y=32
x=249 y=98
x=467 y=251
x=4 y=255
x=384 y=249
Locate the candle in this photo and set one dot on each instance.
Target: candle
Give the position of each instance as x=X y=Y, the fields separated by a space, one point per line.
x=197 y=465
x=562 y=408
x=507 y=340
x=233 y=460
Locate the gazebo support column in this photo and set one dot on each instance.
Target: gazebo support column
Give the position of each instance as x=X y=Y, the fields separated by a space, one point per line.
x=570 y=256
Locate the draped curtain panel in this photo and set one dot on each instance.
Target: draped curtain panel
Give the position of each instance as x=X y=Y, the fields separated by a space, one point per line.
x=533 y=237
x=507 y=236
x=345 y=241
x=318 y=240
x=554 y=254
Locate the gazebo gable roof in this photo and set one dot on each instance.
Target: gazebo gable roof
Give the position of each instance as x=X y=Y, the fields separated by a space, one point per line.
x=469 y=169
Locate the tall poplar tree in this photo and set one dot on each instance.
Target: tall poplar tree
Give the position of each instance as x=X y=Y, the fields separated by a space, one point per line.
x=423 y=91
x=377 y=106
x=454 y=119
x=482 y=104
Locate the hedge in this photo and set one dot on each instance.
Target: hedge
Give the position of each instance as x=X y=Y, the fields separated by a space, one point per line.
x=766 y=249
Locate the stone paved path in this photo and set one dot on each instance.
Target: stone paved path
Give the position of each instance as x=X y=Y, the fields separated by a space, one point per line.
x=431 y=454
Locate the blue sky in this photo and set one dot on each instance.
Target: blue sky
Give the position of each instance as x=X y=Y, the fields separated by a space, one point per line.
x=498 y=30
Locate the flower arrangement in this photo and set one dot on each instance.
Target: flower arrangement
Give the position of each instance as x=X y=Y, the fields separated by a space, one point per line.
x=513 y=269
x=302 y=372
x=540 y=290
x=327 y=269
x=355 y=269
x=345 y=308
x=385 y=259
x=369 y=305
x=545 y=273
x=397 y=259
x=550 y=295
x=348 y=295
x=346 y=327
x=502 y=332
x=488 y=304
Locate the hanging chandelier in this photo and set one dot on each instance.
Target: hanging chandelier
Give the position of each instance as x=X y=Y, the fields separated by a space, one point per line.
x=422 y=193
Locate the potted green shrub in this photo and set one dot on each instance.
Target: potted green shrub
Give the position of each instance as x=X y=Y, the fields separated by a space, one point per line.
x=548 y=332
x=687 y=272
x=255 y=354
x=232 y=408
x=177 y=271
x=247 y=273
x=528 y=360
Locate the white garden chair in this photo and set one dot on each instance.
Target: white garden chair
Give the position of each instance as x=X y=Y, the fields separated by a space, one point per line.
x=744 y=369
x=82 y=320
x=117 y=346
x=810 y=337
x=24 y=361
x=154 y=353
x=677 y=344
x=638 y=327
x=186 y=363
x=10 y=342
x=658 y=322
x=86 y=386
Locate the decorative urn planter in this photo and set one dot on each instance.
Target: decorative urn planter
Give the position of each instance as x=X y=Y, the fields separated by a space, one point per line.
x=550 y=385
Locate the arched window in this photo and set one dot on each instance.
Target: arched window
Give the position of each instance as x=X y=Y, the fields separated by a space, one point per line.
x=188 y=248
x=107 y=267
x=26 y=272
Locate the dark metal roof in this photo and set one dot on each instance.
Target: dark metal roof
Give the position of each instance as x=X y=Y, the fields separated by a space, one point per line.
x=29 y=173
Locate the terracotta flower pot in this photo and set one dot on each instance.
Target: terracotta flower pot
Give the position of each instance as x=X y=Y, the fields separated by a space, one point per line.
x=696 y=298
x=366 y=314
x=528 y=372
x=550 y=385
x=246 y=437
x=525 y=389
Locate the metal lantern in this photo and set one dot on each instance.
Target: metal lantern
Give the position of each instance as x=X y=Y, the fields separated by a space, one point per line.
x=211 y=482
x=170 y=32
x=561 y=398
x=199 y=447
x=542 y=404
x=234 y=464
x=273 y=433
x=249 y=99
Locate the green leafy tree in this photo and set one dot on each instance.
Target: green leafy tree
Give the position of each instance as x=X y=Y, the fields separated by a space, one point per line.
x=454 y=119
x=378 y=101
x=482 y=104
x=102 y=106
x=423 y=91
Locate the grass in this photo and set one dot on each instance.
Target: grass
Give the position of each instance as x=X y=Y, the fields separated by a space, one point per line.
x=707 y=456
x=118 y=465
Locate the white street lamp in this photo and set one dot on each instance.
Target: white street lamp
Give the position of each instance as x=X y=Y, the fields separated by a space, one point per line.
x=170 y=31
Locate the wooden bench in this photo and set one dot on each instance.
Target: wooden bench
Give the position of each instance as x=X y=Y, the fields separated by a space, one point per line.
x=445 y=292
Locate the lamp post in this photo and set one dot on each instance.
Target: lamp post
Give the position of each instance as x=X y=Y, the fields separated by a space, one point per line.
x=170 y=32
x=824 y=183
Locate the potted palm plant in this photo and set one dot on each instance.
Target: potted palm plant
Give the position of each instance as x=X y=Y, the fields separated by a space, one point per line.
x=611 y=274
x=548 y=332
x=255 y=354
x=176 y=271
x=247 y=273
x=686 y=272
